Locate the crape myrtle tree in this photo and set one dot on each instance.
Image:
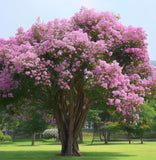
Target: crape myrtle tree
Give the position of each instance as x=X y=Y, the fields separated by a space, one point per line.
x=67 y=65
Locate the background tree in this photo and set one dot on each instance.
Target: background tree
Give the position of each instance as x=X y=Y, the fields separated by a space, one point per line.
x=1 y=122
x=153 y=123
x=67 y=65
x=147 y=119
x=93 y=116
x=34 y=124
x=141 y=125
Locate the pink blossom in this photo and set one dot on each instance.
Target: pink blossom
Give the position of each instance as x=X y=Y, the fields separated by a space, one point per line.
x=117 y=101
x=5 y=115
x=111 y=101
x=39 y=112
x=24 y=119
x=124 y=120
x=74 y=69
x=134 y=109
x=118 y=109
x=4 y=95
x=27 y=72
x=10 y=95
x=38 y=78
x=8 y=106
x=53 y=120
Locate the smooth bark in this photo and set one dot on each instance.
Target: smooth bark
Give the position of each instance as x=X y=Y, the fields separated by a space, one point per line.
x=70 y=119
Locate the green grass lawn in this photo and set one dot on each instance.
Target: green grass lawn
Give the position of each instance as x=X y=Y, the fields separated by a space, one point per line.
x=49 y=150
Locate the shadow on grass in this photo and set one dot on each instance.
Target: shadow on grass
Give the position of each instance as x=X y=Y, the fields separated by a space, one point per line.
x=54 y=155
x=106 y=155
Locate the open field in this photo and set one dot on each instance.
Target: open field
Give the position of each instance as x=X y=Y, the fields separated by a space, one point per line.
x=49 y=150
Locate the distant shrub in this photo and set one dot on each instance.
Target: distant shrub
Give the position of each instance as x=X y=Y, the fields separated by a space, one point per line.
x=1 y=133
x=50 y=133
x=7 y=138
x=1 y=136
x=4 y=138
x=112 y=126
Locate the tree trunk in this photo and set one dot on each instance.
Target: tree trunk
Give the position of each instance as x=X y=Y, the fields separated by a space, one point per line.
x=141 y=138
x=81 y=137
x=70 y=119
x=13 y=134
x=106 y=136
x=40 y=135
x=70 y=150
x=33 y=138
x=129 y=138
x=69 y=133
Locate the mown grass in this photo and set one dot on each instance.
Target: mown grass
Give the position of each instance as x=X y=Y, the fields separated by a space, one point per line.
x=49 y=150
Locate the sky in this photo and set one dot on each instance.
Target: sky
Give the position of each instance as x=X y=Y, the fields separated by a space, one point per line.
x=16 y=13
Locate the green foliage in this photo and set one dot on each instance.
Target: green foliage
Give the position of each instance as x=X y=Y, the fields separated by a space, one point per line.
x=93 y=116
x=7 y=138
x=153 y=127
x=4 y=138
x=36 y=124
x=1 y=136
x=146 y=120
x=148 y=112
x=112 y=126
